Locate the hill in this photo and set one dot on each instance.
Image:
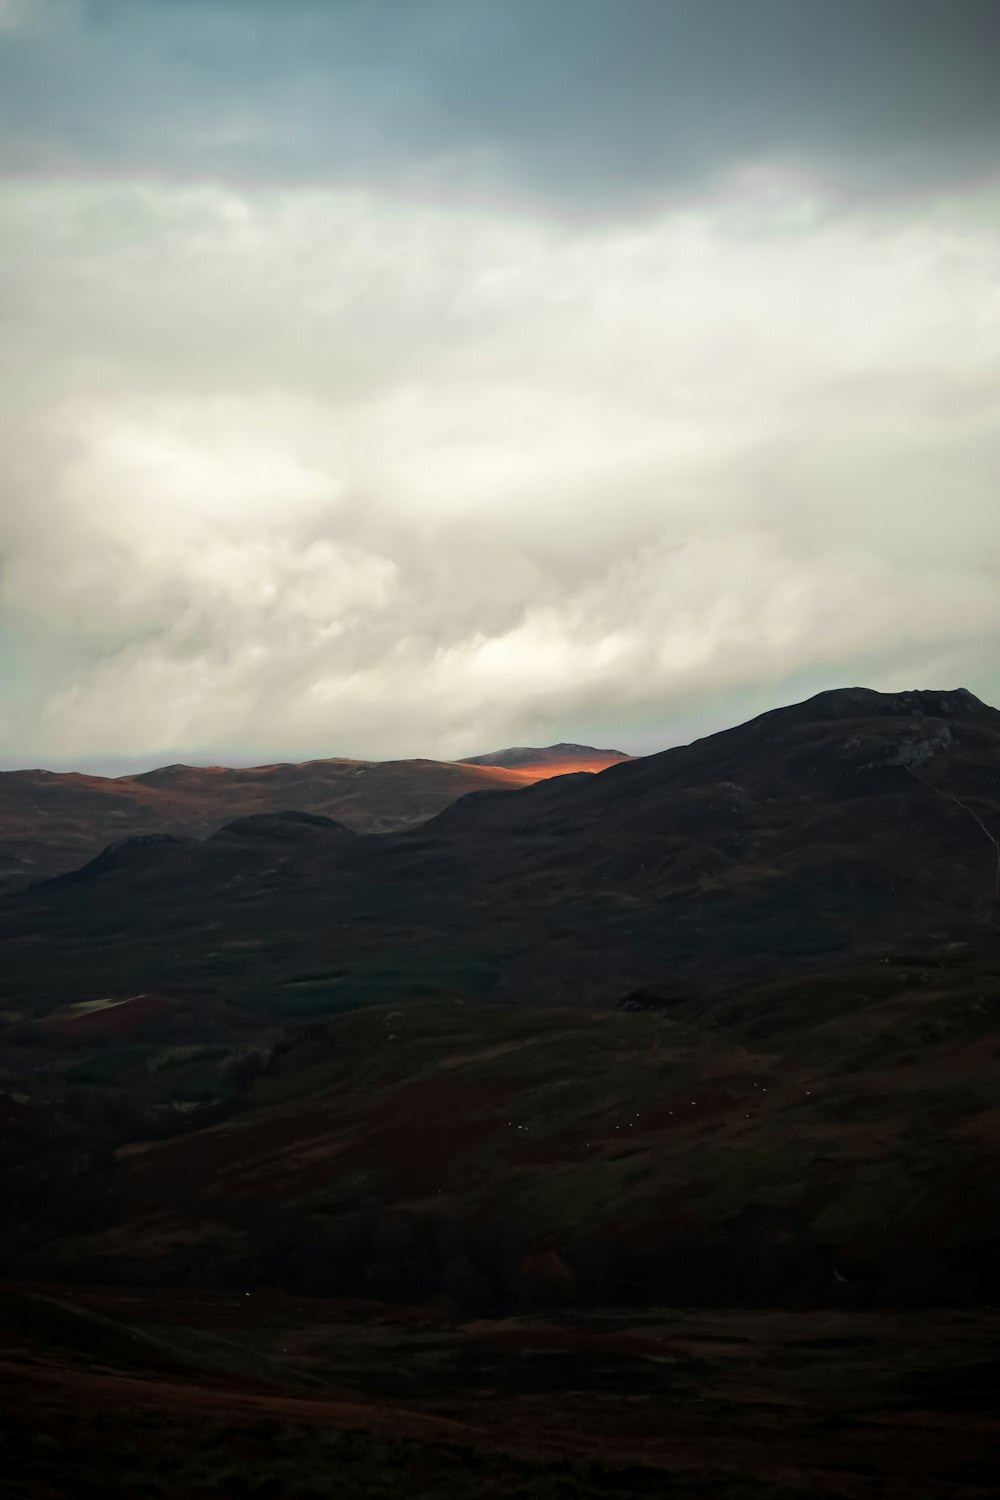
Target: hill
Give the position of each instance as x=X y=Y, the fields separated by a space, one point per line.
x=553 y=760
x=751 y=1053
x=845 y=827
x=51 y=821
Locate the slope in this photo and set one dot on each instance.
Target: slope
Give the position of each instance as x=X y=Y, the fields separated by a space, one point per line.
x=803 y=907
x=51 y=822
x=847 y=826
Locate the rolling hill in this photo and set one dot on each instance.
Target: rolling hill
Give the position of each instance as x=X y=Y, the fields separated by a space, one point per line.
x=838 y=829
x=552 y=760
x=557 y=1011
x=52 y=821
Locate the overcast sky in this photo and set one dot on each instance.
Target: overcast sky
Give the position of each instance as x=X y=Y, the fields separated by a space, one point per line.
x=391 y=377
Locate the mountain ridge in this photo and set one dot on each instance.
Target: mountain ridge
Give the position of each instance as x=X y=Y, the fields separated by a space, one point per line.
x=757 y=851
x=717 y=1024
x=52 y=822
x=579 y=757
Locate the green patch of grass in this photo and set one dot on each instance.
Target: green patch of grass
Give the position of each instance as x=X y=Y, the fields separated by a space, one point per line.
x=110 y=1065
x=377 y=980
x=875 y=1193
x=90 y=1337
x=180 y=1057
x=724 y=1179
x=580 y=1198
x=274 y=1000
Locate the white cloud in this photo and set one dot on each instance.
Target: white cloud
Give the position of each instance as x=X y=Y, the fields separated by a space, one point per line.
x=330 y=472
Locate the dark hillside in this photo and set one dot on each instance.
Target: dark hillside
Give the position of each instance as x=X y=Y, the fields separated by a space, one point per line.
x=230 y=1047
x=843 y=827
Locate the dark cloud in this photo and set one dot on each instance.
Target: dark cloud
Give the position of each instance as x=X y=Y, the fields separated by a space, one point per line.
x=592 y=102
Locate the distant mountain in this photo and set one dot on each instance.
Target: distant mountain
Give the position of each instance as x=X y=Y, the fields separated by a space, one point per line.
x=552 y=760
x=52 y=822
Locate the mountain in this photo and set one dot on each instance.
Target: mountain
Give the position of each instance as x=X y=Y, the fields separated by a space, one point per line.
x=847 y=826
x=51 y=822
x=553 y=760
x=715 y=1026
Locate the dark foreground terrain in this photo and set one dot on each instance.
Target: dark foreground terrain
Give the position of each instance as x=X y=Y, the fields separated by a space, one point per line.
x=122 y=1393
x=630 y=1133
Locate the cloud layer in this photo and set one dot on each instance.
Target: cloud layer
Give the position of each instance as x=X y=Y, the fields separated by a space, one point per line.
x=579 y=104
x=329 y=470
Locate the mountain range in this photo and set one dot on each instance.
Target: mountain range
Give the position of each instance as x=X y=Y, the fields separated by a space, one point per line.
x=53 y=821
x=847 y=826
x=717 y=1027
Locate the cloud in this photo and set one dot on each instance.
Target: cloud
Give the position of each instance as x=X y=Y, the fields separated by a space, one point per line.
x=320 y=471
x=582 y=103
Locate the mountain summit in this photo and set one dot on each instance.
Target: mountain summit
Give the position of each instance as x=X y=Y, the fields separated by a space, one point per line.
x=551 y=760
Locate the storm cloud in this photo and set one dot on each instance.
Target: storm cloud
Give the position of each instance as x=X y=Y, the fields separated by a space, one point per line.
x=587 y=102
x=413 y=379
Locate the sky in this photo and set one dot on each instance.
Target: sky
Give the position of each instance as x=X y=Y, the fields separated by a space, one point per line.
x=415 y=377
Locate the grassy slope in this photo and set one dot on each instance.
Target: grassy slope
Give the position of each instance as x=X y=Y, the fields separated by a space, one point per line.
x=859 y=1104
x=167 y=1394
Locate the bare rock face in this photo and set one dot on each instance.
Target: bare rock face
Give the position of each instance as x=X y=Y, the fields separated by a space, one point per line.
x=923 y=747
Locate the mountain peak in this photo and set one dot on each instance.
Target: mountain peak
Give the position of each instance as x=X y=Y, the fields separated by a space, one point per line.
x=863 y=703
x=571 y=757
